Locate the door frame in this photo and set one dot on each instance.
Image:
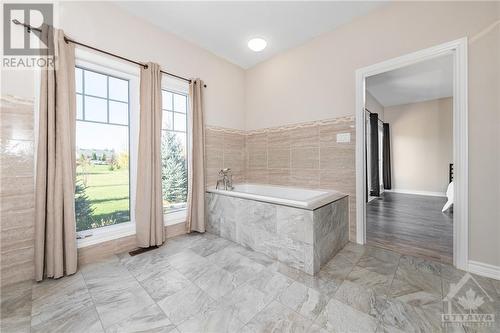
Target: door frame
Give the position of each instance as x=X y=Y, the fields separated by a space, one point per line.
x=457 y=48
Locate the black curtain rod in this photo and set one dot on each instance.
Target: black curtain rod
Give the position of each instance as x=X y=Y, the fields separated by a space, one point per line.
x=373 y=113
x=68 y=40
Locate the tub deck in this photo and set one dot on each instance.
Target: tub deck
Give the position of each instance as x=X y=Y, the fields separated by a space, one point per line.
x=281 y=195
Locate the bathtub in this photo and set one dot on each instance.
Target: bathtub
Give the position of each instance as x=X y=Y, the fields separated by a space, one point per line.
x=302 y=228
x=281 y=195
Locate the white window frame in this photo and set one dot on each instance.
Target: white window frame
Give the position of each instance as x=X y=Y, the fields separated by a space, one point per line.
x=113 y=67
x=181 y=87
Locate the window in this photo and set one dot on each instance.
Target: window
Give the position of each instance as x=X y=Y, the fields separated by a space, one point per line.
x=174 y=151
x=102 y=195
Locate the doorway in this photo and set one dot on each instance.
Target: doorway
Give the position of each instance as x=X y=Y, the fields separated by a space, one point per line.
x=411 y=123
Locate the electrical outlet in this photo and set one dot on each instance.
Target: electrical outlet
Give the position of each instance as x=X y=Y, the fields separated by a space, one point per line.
x=343 y=137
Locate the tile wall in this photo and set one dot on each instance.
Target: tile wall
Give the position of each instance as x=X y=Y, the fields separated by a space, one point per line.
x=17 y=206
x=224 y=148
x=303 y=155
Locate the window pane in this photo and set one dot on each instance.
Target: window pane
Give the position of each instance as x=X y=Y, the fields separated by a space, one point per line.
x=179 y=122
x=96 y=109
x=78 y=80
x=118 y=89
x=95 y=84
x=166 y=98
x=167 y=120
x=118 y=113
x=174 y=171
x=79 y=107
x=102 y=183
x=180 y=103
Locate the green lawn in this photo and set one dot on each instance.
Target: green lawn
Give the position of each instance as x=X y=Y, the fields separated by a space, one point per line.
x=108 y=192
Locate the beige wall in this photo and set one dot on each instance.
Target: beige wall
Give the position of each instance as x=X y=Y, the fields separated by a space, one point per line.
x=372 y=104
x=484 y=147
x=316 y=81
x=421 y=144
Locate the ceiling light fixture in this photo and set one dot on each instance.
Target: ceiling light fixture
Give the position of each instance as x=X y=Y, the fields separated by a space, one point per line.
x=257 y=44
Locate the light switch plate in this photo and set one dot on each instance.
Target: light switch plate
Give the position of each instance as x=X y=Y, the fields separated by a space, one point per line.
x=343 y=137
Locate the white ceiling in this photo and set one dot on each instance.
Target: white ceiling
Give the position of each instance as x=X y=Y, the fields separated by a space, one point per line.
x=224 y=28
x=424 y=81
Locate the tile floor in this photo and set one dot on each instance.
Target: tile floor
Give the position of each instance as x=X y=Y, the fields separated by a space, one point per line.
x=203 y=283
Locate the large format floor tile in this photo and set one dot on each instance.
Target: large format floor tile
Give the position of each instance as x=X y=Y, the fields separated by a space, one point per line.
x=15 y=308
x=202 y=283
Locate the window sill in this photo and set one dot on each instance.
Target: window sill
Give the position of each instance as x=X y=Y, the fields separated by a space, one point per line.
x=175 y=217
x=125 y=229
x=105 y=234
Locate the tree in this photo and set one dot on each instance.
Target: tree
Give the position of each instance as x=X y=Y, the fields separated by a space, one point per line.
x=103 y=157
x=83 y=207
x=122 y=161
x=174 y=170
x=94 y=156
x=84 y=164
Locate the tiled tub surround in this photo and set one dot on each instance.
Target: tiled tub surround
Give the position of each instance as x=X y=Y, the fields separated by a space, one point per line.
x=303 y=155
x=304 y=239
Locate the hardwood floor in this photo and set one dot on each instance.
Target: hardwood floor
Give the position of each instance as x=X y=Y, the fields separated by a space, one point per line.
x=412 y=225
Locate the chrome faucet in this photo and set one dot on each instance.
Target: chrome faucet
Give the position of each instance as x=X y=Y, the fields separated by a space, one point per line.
x=225 y=179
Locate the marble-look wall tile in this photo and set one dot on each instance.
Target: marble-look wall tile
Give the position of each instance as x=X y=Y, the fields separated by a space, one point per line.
x=337 y=158
x=224 y=148
x=278 y=158
x=259 y=176
x=279 y=176
x=278 y=139
x=305 y=158
x=304 y=137
x=17 y=190
x=307 y=178
x=256 y=158
x=214 y=158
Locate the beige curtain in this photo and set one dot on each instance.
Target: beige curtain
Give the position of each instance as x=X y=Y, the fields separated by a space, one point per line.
x=148 y=203
x=55 y=227
x=196 y=170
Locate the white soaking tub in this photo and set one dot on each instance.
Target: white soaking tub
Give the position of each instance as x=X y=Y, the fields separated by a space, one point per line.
x=300 y=227
x=281 y=195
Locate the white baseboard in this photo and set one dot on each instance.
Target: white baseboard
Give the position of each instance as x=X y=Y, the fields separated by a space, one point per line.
x=429 y=193
x=487 y=270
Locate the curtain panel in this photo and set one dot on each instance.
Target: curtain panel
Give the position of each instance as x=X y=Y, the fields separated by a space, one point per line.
x=196 y=165
x=150 y=230
x=374 y=166
x=55 y=221
x=386 y=157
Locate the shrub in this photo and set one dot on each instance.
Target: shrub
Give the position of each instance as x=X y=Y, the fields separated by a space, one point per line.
x=83 y=207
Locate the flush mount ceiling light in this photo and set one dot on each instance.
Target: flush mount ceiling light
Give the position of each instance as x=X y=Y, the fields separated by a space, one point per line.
x=257 y=44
